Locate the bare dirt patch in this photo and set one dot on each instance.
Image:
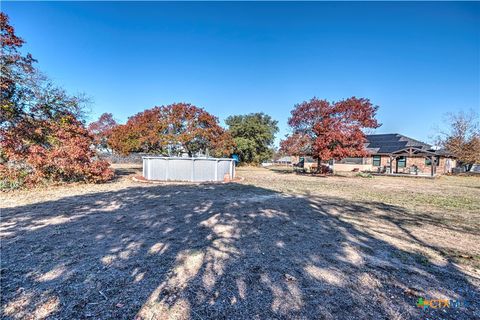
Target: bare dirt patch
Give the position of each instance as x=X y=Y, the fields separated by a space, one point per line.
x=277 y=245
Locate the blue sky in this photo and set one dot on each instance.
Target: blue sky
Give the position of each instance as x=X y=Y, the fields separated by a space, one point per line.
x=416 y=61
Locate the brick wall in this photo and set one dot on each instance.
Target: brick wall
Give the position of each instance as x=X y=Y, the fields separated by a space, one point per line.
x=420 y=163
x=417 y=161
x=351 y=167
x=385 y=161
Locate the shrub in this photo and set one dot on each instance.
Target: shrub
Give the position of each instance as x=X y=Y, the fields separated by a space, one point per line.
x=11 y=179
x=364 y=175
x=51 y=151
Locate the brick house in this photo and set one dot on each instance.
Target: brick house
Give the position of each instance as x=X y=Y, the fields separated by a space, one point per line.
x=398 y=154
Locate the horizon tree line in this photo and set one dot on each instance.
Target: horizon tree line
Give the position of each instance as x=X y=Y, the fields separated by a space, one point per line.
x=321 y=129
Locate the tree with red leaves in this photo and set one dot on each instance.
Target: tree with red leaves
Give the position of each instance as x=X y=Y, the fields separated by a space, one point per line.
x=172 y=130
x=17 y=73
x=330 y=130
x=143 y=132
x=102 y=129
x=42 y=137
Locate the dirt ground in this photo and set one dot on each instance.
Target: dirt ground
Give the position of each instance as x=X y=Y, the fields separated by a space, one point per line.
x=276 y=245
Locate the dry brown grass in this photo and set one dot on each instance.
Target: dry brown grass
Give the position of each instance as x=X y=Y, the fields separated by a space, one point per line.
x=277 y=245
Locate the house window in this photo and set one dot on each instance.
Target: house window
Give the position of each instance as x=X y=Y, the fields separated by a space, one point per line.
x=377 y=160
x=429 y=162
x=351 y=161
x=401 y=162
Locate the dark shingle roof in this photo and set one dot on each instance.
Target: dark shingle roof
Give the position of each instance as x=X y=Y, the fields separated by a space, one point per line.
x=388 y=143
x=444 y=152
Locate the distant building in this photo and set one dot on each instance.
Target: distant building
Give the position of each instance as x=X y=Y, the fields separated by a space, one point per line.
x=396 y=153
x=284 y=160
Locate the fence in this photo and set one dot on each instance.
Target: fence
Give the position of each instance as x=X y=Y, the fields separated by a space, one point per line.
x=118 y=158
x=187 y=169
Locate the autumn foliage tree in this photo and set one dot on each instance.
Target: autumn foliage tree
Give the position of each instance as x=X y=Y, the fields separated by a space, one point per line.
x=42 y=137
x=330 y=130
x=101 y=130
x=172 y=130
x=462 y=137
x=143 y=132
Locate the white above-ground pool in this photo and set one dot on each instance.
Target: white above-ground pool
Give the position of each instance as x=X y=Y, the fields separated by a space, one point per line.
x=188 y=169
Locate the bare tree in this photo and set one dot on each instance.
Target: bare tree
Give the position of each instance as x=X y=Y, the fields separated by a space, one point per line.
x=461 y=137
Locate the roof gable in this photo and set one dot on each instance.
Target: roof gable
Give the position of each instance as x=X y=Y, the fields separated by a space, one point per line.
x=389 y=143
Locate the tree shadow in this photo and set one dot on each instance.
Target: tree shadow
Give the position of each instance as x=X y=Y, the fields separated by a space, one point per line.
x=300 y=172
x=221 y=251
x=282 y=170
x=122 y=172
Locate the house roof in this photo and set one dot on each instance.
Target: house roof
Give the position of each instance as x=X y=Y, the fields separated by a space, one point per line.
x=444 y=152
x=392 y=142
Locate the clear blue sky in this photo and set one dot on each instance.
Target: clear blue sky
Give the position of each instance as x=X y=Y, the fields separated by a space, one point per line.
x=415 y=60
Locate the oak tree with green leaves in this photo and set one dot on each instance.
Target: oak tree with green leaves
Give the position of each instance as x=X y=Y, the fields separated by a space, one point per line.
x=254 y=135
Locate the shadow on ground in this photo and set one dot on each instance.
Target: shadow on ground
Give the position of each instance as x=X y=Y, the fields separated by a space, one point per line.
x=218 y=251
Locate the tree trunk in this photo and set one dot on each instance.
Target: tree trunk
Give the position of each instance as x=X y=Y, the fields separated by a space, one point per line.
x=319 y=164
x=189 y=152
